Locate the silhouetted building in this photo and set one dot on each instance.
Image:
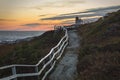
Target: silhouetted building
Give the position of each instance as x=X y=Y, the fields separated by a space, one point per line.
x=78 y=21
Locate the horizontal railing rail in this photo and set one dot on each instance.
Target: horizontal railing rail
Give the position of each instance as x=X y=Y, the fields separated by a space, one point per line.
x=44 y=66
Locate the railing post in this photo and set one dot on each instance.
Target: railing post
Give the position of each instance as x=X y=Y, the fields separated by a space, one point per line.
x=36 y=71
x=58 y=47
x=51 y=57
x=14 y=71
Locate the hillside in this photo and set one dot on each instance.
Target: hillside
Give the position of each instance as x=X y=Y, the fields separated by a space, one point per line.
x=29 y=52
x=99 y=56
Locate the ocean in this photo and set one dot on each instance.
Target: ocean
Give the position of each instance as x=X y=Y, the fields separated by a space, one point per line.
x=11 y=36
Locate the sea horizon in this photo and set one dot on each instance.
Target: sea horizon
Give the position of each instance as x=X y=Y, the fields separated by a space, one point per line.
x=12 y=36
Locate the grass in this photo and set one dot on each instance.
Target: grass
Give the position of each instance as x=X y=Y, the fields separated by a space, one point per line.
x=99 y=56
x=29 y=52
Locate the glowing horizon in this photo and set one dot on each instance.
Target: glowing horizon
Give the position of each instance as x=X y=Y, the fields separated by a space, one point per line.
x=35 y=15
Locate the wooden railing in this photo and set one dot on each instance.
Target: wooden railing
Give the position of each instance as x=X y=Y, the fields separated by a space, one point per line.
x=42 y=68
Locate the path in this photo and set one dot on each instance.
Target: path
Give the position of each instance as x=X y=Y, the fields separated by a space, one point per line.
x=66 y=69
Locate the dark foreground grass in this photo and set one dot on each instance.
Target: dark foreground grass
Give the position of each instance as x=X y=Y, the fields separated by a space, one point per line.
x=99 y=57
x=29 y=52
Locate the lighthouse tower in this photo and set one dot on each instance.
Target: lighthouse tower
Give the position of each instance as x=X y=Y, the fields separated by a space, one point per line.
x=78 y=21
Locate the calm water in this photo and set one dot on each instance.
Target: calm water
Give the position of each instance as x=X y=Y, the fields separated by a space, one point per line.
x=8 y=36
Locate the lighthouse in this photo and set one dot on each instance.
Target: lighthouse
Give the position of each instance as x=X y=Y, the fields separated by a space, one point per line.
x=78 y=22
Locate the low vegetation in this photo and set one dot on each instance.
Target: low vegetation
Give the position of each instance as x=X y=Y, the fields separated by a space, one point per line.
x=29 y=52
x=99 y=56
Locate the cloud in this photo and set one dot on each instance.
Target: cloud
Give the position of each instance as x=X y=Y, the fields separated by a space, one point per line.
x=96 y=10
x=7 y=20
x=32 y=24
x=87 y=13
x=103 y=9
x=68 y=22
x=72 y=16
x=58 y=3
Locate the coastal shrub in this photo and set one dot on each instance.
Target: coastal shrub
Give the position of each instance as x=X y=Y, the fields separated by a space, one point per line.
x=99 y=56
x=30 y=52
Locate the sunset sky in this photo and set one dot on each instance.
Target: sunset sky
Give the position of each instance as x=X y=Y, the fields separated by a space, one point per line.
x=28 y=15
